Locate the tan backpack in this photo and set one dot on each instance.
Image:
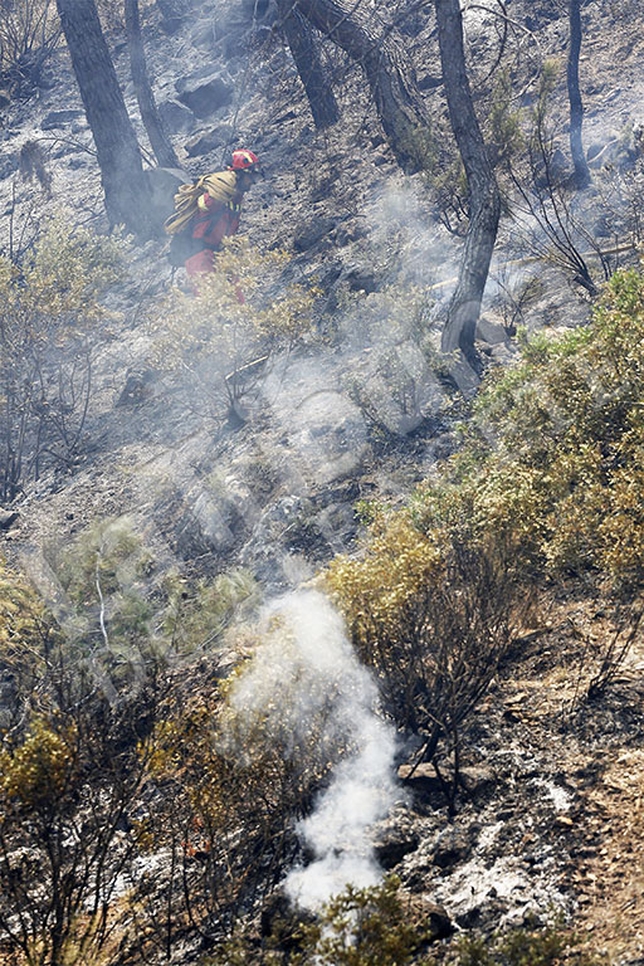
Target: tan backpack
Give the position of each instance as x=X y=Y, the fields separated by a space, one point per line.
x=221 y=186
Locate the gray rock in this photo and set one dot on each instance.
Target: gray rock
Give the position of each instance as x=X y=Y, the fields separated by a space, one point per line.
x=612 y=151
x=204 y=97
x=8 y=165
x=58 y=119
x=483 y=916
x=7 y=518
x=491 y=332
x=453 y=846
x=477 y=779
x=176 y=117
x=424 y=783
x=311 y=233
x=77 y=162
x=204 y=143
x=328 y=433
x=138 y=387
x=174 y=13
x=433 y=916
x=393 y=843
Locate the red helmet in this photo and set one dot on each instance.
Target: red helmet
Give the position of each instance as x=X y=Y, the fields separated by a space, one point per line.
x=243 y=160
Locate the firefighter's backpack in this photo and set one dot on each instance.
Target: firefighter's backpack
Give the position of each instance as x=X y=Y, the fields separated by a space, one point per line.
x=221 y=186
x=183 y=246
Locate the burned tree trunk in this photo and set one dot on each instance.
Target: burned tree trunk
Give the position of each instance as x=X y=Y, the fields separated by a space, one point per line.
x=484 y=198
x=391 y=79
x=119 y=158
x=582 y=174
x=159 y=141
x=302 y=43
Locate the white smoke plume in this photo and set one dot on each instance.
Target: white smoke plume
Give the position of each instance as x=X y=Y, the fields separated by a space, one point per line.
x=337 y=832
x=308 y=673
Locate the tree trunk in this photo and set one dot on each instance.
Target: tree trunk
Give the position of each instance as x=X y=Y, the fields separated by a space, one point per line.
x=159 y=140
x=582 y=174
x=302 y=43
x=484 y=198
x=391 y=80
x=119 y=158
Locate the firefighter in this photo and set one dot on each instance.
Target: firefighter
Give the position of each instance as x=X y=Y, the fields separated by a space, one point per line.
x=209 y=210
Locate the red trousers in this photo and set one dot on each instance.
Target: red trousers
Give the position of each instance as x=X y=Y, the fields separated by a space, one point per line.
x=201 y=264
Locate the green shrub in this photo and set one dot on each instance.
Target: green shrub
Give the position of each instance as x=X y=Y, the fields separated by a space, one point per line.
x=237 y=758
x=570 y=415
x=549 y=946
x=547 y=484
x=379 y=927
x=432 y=612
x=214 y=345
x=359 y=927
x=53 y=318
x=68 y=775
x=365 y=927
x=132 y=616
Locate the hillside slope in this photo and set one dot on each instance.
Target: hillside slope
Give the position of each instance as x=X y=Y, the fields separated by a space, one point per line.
x=359 y=411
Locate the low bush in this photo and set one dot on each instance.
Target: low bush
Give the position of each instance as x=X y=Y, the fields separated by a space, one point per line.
x=569 y=418
x=543 y=487
x=214 y=345
x=29 y=33
x=54 y=318
x=379 y=926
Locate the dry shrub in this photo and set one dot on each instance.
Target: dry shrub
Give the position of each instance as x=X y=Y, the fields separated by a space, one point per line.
x=29 y=33
x=546 y=485
x=215 y=345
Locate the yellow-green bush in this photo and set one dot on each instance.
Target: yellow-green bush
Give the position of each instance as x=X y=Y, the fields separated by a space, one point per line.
x=209 y=343
x=432 y=613
x=53 y=317
x=199 y=612
x=547 y=946
x=38 y=771
x=553 y=457
x=379 y=926
x=358 y=927
x=29 y=640
x=237 y=760
x=547 y=484
x=25 y=625
x=132 y=613
x=571 y=412
x=68 y=774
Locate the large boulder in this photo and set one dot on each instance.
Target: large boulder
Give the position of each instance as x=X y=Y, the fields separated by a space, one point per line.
x=204 y=95
x=176 y=117
x=174 y=14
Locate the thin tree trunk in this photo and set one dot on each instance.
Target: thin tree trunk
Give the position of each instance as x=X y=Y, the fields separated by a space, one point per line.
x=484 y=198
x=301 y=40
x=582 y=173
x=119 y=158
x=159 y=140
x=391 y=79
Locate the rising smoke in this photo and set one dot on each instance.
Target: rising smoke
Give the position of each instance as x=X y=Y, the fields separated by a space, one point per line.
x=308 y=677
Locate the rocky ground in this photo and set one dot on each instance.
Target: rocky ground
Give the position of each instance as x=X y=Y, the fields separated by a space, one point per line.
x=551 y=815
x=552 y=818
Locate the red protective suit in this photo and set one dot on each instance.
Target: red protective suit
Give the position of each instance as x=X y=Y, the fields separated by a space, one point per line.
x=214 y=221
